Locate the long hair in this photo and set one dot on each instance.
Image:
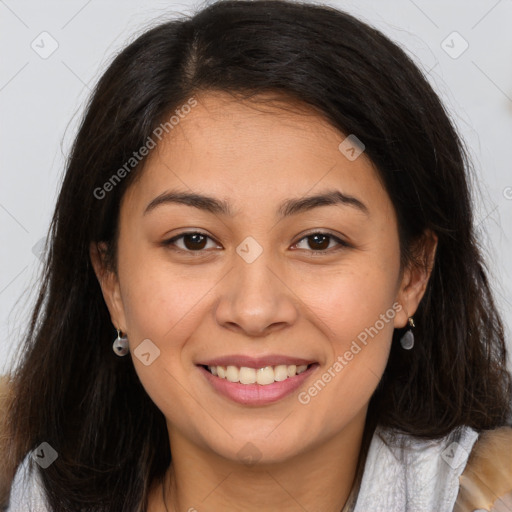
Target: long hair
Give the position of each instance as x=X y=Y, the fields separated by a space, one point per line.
x=71 y=390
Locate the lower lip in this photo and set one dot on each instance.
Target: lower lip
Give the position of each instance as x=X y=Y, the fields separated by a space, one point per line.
x=256 y=394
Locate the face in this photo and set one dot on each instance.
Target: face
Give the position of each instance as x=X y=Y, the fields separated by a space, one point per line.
x=270 y=281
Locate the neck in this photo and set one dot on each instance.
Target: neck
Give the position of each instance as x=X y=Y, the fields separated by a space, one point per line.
x=319 y=479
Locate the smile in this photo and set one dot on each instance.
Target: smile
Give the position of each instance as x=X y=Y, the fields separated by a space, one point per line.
x=259 y=383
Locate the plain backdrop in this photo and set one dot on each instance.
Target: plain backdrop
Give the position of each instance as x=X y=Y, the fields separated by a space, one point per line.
x=54 y=52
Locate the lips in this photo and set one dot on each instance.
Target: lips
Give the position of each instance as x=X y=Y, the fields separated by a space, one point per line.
x=244 y=379
x=257 y=395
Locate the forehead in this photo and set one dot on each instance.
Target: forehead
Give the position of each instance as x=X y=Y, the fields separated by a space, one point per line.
x=264 y=128
x=256 y=151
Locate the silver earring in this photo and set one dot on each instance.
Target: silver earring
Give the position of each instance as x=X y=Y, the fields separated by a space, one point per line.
x=120 y=345
x=407 y=340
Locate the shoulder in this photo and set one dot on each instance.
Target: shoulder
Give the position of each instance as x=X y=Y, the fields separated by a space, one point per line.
x=27 y=493
x=409 y=473
x=486 y=482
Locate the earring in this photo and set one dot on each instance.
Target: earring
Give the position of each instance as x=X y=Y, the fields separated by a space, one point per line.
x=407 y=340
x=120 y=345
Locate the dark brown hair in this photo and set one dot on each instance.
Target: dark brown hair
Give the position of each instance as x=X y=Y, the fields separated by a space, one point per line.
x=69 y=388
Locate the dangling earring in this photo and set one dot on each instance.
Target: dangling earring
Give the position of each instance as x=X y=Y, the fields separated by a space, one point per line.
x=120 y=345
x=407 y=340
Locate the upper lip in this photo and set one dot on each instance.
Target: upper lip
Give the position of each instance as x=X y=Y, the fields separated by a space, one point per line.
x=255 y=362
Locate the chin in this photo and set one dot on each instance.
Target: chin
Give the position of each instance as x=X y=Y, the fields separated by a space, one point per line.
x=253 y=449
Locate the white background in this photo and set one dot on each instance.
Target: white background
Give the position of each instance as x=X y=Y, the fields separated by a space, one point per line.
x=41 y=101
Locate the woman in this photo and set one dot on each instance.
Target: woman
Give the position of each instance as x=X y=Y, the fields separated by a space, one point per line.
x=270 y=207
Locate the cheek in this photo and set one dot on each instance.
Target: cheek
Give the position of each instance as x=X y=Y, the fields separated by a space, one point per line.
x=357 y=318
x=161 y=300
x=164 y=304
x=357 y=304
x=353 y=297
x=166 y=307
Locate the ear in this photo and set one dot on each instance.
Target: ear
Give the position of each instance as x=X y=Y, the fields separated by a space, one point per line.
x=415 y=278
x=109 y=283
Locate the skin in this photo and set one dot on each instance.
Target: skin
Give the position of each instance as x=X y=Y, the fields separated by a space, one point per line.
x=291 y=300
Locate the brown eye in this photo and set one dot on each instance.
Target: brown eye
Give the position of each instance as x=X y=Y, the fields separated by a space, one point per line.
x=320 y=242
x=190 y=242
x=195 y=241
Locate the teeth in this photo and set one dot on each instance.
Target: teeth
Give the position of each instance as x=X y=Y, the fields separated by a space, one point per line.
x=265 y=375
x=247 y=375
x=280 y=373
x=262 y=376
x=232 y=374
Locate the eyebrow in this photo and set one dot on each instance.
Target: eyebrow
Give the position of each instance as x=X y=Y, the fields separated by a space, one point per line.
x=288 y=208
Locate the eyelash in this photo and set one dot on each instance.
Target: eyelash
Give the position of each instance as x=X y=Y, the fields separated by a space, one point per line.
x=343 y=245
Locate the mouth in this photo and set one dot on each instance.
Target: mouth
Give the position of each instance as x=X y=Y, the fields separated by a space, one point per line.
x=256 y=385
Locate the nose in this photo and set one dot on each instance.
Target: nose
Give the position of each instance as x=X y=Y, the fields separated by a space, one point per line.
x=256 y=298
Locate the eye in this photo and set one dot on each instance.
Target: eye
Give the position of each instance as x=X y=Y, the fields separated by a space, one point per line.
x=320 y=242
x=193 y=241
